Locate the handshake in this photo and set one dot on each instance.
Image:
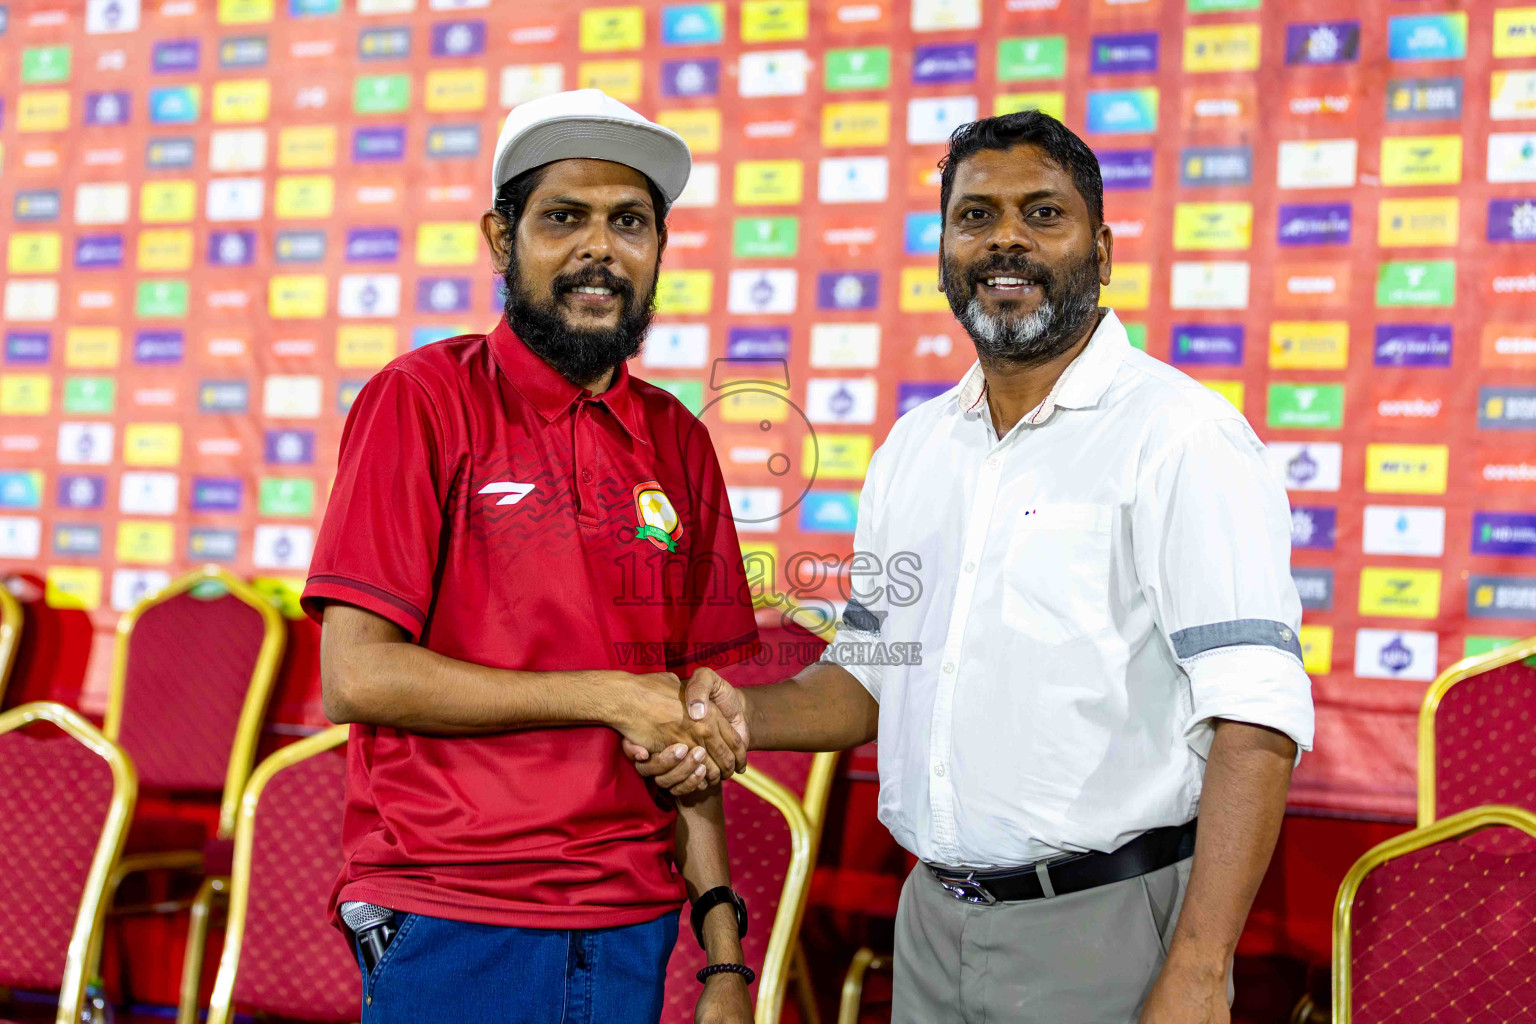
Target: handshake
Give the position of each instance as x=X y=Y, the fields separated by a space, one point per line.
x=684 y=736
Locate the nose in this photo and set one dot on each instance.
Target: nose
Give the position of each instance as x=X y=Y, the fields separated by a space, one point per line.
x=597 y=244
x=1011 y=235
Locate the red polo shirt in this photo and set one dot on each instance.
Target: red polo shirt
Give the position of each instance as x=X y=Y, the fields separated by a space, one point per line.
x=501 y=515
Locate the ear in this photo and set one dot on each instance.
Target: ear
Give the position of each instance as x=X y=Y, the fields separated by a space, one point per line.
x=1104 y=243
x=661 y=238
x=498 y=236
x=942 y=286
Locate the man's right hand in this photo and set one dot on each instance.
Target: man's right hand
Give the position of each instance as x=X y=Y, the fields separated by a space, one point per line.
x=699 y=746
x=674 y=769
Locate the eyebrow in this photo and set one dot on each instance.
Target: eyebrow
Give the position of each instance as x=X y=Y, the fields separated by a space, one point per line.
x=1028 y=197
x=582 y=204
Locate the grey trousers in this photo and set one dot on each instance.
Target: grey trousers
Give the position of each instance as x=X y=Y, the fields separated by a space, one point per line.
x=1084 y=958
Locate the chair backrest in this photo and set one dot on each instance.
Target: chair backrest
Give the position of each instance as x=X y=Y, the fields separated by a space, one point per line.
x=1436 y=924
x=10 y=635
x=281 y=955
x=193 y=671
x=66 y=795
x=772 y=847
x=1477 y=734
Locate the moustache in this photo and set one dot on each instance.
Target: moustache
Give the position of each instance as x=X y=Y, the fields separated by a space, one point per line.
x=1005 y=265
x=593 y=277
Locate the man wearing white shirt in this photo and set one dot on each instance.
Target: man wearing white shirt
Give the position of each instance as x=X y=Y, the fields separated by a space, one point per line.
x=1108 y=632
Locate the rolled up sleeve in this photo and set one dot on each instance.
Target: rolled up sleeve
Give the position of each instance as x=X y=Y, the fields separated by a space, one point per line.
x=1212 y=540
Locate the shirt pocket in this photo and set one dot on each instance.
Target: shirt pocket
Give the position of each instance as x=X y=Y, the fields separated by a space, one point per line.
x=1056 y=578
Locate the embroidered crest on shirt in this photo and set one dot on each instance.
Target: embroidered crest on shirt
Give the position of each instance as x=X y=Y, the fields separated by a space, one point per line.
x=658 y=520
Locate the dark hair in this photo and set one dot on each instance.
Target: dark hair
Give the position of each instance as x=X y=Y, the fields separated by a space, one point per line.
x=512 y=196
x=1026 y=128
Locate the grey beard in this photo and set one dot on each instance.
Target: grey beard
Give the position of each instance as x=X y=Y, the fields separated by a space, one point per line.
x=1007 y=338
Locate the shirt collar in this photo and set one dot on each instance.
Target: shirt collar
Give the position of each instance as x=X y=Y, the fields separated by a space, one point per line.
x=551 y=394
x=1081 y=384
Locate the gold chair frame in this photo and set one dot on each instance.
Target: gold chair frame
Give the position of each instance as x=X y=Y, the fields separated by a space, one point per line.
x=10 y=634
x=85 y=939
x=1467 y=668
x=1398 y=846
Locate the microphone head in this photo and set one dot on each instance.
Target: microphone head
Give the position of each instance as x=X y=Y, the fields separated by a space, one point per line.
x=361 y=917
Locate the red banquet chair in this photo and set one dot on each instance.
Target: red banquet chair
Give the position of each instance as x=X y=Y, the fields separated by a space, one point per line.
x=281 y=956
x=66 y=795
x=192 y=672
x=1477 y=734
x=1436 y=924
x=10 y=636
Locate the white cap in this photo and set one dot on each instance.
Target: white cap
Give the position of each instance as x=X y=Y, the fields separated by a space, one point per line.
x=588 y=124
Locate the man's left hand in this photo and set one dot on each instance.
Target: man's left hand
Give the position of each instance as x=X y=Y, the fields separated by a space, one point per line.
x=1186 y=996
x=673 y=768
x=725 y=1001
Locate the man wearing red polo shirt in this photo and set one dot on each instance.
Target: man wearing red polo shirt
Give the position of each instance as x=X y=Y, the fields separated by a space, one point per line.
x=524 y=550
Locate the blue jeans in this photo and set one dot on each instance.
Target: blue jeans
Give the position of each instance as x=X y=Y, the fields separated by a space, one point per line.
x=451 y=972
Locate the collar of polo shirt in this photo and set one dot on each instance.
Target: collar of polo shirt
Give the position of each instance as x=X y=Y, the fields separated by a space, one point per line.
x=551 y=394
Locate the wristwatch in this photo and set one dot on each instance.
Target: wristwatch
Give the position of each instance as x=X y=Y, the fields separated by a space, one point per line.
x=713 y=898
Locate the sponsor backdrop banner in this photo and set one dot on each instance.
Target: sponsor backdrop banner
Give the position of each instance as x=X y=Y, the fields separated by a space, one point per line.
x=223 y=215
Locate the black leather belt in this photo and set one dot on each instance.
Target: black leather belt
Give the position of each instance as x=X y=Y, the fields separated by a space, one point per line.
x=1148 y=852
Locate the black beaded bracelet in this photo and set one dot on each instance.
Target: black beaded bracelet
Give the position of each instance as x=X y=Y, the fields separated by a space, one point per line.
x=714 y=969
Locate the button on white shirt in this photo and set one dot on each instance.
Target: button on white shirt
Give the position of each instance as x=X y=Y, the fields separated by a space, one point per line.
x=1095 y=588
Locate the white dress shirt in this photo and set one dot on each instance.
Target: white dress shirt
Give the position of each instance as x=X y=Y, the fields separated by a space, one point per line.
x=1091 y=591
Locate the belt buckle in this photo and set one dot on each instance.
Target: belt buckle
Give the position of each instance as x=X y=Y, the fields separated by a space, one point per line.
x=967 y=889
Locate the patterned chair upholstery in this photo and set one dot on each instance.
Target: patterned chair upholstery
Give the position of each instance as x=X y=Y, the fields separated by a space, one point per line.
x=66 y=794
x=281 y=956
x=1477 y=735
x=1437 y=924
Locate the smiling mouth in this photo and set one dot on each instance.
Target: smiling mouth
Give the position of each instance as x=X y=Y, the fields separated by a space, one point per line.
x=591 y=295
x=1008 y=286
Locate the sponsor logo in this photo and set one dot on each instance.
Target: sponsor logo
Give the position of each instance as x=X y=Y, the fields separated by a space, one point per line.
x=175 y=55
x=27 y=347
x=458 y=38
x=1314 y=587
x=76 y=491
x=1416 y=283
x=840 y=401
x=442 y=295
x=856 y=68
x=1406 y=404
x=1509 y=345
x=1207 y=345
x=453 y=140
x=231 y=248
x=95 y=252
x=1123 y=52
x=217 y=494
x=244 y=52
x=1418 y=222
x=1221 y=48
x=1306 y=406
x=289 y=447
x=911 y=394
x=1314 y=224
x=384 y=43
x=1413 y=345
x=213 y=544
x=23 y=489
x=299 y=247
x=758 y=343
x=863 y=179
x=848 y=290
x=1506 y=408
x=922 y=233
x=1427 y=37
x=1514 y=32
x=692 y=24
x=1212 y=225
x=1308 y=345
x=700 y=77
x=1213 y=285
x=1400 y=593
x=1504 y=533
x=170 y=154
x=829 y=512
x=223 y=396
x=1306 y=467
x=378 y=145
x=1314 y=527
x=1403 y=530
x=108 y=108
x=1031 y=58
x=1421 y=160
x=1406 y=468
x=1224 y=107
x=174 y=105
x=76 y=539
x=773 y=73
x=1125 y=169
x=1215 y=165
x=944 y=64
x=1328 y=163
x=1391 y=654
x=1511 y=157
x=1312 y=285
x=1512 y=96
x=1322 y=42
x=1511 y=220
x=159 y=347
x=1424 y=99
x=1312 y=101
x=1121 y=111
x=1502 y=597
x=373 y=245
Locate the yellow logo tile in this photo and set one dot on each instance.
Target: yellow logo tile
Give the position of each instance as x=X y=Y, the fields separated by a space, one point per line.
x=1212 y=225
x=612 y=28
x=685 y=291
x=25 y=394
x=767 y=21
x=1309 y=344
x=304 y=196
x=306 y=147
x=242 y=102
x=447 y=243
x=1052 y=103
x=73 y=587
x=365 y=345
x=42 y=110
x=1514 y=32
x=455 y=90
x=166 y=202
x=1406 y=468
x=1421 y=160
x=768 y=182
x=1221 y=48
x=1130 y=286
x=752 y=405
x=1231 y=390
x=297 y=296
x=700 y=128
x=244 y=12
x=152 y=444
x=1316 y=649
x=836 y=456
x=165 y=249
x=145 y=543
x=91 y=348
x=855 y=124
x=1400 y=593
x=620 y=79
x=34 y=252
x=920 y=291
x=1418 y=221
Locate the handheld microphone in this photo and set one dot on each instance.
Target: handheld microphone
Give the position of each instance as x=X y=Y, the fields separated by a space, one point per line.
x=373 y=926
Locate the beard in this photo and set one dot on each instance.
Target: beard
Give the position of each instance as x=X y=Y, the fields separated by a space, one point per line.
x=582 y=355
x=1068 y=303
